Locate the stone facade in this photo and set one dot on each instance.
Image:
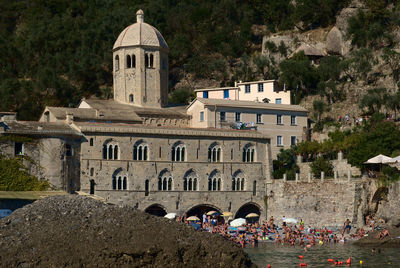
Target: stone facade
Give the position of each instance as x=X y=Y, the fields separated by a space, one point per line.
x=141 y=66
x=50 y=151
x=143 y=188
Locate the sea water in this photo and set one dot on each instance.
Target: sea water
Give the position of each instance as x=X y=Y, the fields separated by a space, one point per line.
x=287 y=256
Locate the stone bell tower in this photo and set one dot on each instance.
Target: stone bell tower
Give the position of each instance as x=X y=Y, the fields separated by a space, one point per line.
x=140 y=72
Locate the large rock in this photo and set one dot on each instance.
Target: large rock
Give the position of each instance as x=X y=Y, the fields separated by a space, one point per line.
x=346 y=13
x=334 y=41
x=75 y=231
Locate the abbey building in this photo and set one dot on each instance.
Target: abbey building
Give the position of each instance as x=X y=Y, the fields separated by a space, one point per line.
x=215 y=153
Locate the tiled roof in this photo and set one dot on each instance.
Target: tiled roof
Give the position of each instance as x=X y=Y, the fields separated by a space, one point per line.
x=250 y=104
x=37 y=128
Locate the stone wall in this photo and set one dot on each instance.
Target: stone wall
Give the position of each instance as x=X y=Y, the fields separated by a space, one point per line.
x=46 y=158
x=326 y=203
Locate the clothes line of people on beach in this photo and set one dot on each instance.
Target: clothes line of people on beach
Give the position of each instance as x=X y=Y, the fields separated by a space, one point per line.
x=268 y=231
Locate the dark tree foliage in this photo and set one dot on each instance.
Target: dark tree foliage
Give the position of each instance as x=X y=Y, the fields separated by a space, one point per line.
x=54 y=52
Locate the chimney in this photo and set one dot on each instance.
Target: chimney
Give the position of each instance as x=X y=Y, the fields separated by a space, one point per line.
x=69 y=118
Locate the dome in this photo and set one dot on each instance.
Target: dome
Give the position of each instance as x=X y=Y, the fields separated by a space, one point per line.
x=140 y=34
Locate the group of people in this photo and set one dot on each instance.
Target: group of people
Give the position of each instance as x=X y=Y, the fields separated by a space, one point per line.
x=289 y=235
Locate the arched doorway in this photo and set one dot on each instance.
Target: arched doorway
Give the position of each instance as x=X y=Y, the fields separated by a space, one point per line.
x=156 y=210
x=199 y=210
x=246 y=209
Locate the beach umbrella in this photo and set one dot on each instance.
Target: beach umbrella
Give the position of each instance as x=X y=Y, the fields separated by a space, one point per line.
x=252 y=215
x=380 y=159
x=192 y=218
x=291 y=220
x=170 y=216
x=238 y=222
x=213 y=213
x=227 y=214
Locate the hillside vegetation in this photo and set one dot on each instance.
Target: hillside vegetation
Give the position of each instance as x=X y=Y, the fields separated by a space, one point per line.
x=54 y=52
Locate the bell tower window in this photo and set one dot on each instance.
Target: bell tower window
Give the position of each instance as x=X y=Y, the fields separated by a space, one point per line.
x=133 y=61
x=131 y=99
x=128 y=61
x=151 y=60
x=117 y=63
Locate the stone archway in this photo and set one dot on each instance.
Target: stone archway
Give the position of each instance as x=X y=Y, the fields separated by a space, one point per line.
x=246 y=209
x=199 y=210
x=156 y=210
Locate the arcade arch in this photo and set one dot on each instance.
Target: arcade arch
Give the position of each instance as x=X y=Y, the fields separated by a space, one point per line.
x=199 y=210
x=156 y=210
x=246 y=209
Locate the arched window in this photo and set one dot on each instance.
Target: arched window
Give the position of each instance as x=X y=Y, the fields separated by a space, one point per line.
x=151 y=60
x=128 y=61
x=131 y=99
x=248 y=153
x=190 y=181
x=165 y=181
x=215 y=181
x=116 y=63
x=119 y=180
x=146 y=60
x=178 y=152
x=254 y=187
x=238 y=181
x=91 y=172
x=214 y=153
x=47 y=116
x=140 y=151
x=110 y=150
x=91 y=142
x=133 y=61
x=115 y=151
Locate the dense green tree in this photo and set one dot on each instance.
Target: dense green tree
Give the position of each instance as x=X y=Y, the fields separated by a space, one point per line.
x=298 y=72
x=321 y=165
x=374 y=100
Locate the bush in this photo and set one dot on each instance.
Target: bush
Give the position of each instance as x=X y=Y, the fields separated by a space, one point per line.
x=14 y=176
x=321 y=165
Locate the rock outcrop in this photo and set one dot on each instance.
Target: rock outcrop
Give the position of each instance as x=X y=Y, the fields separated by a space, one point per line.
x=76 y=231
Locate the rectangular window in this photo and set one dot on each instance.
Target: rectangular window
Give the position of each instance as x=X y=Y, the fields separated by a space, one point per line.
x=222 y=116
x=260 y=87
x=68 y=150
x=226 y=94
x=293 y=120
x=278 y=101
x=279 y=141
x=201 y=116
x=246 y=88
x=205 y=94
x=292 y=140
x=18 y=148
x=259 y=119
x=279 y=119
x=237 y=117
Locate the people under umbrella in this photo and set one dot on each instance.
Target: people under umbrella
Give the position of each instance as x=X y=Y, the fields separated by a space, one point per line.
x=292 y=232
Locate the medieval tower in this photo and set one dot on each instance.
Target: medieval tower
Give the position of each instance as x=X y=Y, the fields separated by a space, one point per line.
x=141 y=66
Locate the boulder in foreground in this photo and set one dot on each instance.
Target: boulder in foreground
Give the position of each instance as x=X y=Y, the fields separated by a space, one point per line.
x=76 y=231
